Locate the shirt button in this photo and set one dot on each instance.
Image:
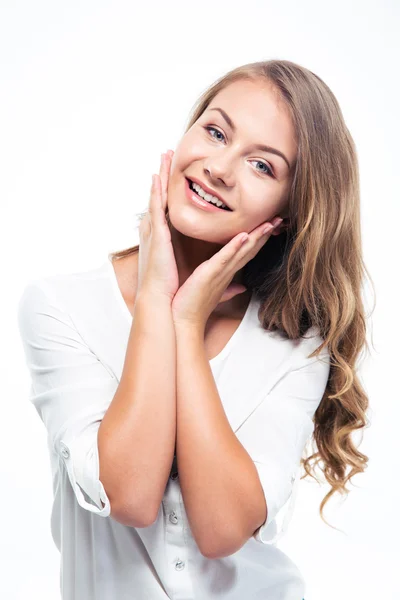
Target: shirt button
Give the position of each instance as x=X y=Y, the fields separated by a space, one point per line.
x=179 y=565
x=173 y=518
x=64 y=451
x=174 y=476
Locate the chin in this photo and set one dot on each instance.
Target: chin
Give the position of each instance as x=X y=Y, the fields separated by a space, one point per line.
x=187 y=223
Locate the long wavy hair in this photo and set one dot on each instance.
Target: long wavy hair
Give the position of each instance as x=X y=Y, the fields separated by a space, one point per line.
x=312 y=273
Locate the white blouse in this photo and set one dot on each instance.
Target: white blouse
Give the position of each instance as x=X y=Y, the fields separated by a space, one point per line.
x=75 y=329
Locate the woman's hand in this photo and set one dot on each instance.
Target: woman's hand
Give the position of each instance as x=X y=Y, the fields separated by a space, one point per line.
x=210 y=283
x=157 y=271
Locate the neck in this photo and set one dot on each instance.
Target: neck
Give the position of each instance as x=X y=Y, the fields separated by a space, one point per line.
x=191 y=252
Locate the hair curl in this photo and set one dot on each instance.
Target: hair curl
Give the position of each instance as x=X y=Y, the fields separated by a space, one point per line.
x=312 y=273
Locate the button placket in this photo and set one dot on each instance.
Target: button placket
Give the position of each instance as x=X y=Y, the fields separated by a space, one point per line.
x=177 y=542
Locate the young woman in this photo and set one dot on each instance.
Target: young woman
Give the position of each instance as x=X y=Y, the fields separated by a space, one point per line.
x=181 y=381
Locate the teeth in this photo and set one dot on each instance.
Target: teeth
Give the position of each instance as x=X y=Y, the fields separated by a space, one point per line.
x=208 y=197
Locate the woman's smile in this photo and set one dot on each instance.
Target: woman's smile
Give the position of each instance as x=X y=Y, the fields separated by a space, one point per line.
x=199 y=202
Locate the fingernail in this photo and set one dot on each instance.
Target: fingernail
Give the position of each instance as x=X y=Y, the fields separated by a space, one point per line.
x=277 y=221
x=267 y=228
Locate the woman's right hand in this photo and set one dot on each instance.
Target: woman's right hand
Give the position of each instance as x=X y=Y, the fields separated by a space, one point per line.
x=157 y=270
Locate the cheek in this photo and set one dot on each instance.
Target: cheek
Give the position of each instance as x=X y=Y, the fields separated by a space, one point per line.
x=192 y=146
x=257 y=211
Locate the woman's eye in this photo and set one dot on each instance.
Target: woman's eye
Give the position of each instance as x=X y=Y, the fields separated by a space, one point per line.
x=268 y=169
x=213 y=128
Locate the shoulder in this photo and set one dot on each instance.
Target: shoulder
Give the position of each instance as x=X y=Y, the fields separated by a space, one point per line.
x=282 y=352
x=309 y=356
x=81 y=300
x=67 y=290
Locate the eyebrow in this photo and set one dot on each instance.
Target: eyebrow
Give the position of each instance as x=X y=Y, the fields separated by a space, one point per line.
x=261 y=147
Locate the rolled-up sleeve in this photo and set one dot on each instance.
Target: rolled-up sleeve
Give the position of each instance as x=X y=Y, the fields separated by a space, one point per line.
x=275 y=436
x=70 y=389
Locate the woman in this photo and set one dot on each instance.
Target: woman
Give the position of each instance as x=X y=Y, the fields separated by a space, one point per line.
x=180 y=382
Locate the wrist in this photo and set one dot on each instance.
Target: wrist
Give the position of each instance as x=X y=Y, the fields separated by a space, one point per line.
x=152 y=311
x=189 y=329
x=147 y=297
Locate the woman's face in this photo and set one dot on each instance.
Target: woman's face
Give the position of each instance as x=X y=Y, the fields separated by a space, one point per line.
x=253 y=182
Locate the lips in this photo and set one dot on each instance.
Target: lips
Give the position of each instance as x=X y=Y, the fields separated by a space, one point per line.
x=208 y=190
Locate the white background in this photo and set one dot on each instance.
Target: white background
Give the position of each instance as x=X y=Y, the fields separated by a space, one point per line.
x=91 y=93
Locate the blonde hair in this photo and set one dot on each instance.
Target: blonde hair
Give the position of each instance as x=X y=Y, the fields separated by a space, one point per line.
x=312 y=273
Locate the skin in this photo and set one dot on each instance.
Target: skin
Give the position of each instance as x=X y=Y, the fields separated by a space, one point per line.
x=226 y=162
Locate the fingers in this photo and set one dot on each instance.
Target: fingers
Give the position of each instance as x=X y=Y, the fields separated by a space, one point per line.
x=244 y=246
x=164 y=178
x=159 y=191
x=164 y=168
x=263 y=231
x=258 y=236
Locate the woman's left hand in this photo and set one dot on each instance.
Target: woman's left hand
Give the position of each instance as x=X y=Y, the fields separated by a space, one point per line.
x=210 y=283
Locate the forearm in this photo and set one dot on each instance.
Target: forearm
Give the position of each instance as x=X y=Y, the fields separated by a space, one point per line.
x=137 y=435
x=217 y=475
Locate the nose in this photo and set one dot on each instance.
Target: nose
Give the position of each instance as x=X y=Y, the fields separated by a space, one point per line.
x=217 y=174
